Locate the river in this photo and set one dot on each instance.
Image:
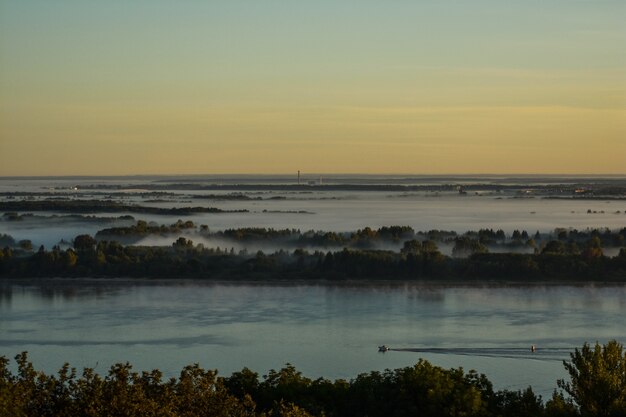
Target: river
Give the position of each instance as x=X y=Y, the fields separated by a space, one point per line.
x=324 y=330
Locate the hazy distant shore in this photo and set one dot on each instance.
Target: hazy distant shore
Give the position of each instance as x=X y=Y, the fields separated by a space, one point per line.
x=272 y=228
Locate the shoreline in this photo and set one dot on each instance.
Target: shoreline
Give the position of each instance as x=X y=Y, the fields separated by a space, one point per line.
x=356 y=283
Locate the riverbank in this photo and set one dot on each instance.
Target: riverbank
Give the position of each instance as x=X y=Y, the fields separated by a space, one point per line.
x=420 y=262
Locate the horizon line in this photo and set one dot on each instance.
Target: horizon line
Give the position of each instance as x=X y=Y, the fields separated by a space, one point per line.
x=331 y=174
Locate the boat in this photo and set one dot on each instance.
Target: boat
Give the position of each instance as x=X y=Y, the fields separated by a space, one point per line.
x=383 y=348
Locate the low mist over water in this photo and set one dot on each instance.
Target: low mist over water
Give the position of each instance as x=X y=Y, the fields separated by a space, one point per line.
x=446 y=203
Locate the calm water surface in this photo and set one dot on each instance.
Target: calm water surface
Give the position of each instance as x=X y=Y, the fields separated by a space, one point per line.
x=330 y=331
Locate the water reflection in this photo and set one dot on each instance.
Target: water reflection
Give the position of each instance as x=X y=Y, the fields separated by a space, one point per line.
x=325 y=330
x=6 y=295
x=53 y=291
x=426 y=294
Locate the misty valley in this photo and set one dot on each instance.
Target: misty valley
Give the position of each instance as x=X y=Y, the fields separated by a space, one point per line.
x=260 y=272
x=511 y=229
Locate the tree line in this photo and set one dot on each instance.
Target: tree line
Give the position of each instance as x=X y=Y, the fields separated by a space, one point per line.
x=103 y=206
x=597 y=387
x=369 y=238
x=416 y=260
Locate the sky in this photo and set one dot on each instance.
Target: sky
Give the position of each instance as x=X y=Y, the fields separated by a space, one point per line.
x=401 y=87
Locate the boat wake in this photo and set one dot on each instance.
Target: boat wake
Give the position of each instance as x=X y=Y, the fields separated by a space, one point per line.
x=548 y=354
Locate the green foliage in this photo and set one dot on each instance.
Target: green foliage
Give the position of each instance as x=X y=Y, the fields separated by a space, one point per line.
x=396 y=233
x=258 y=234
x=6 y=240
x=559 y=406
x=554 y=247
x=84 y=243
x=519 y=403
x=102 y=206
x=25 y=244
x=121 y=393
x=143 y=229
x=465 y=246
x=245 y=382
x=413 y=247
x=181 y=244
x=598 y=379
x=287 y=410
x=423 y=389
x=358 y=257
x=597 y=388
x=415 y=261
x=593 y=248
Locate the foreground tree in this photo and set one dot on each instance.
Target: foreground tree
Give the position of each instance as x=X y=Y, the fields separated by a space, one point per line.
x=597 y=388
x=598 y=379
